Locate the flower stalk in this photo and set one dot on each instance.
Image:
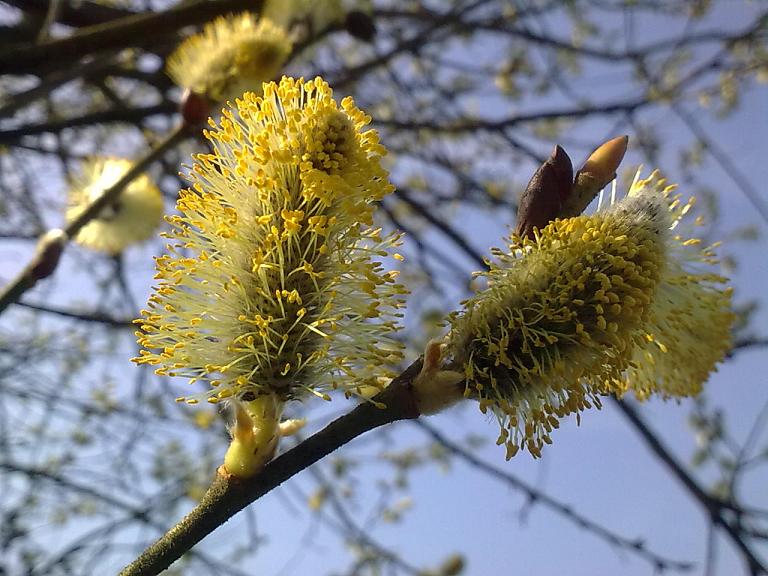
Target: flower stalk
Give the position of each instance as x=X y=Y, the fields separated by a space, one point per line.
x=229 y=494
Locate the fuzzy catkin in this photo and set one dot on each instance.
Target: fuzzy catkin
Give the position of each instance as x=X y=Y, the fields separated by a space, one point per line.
x=591 y=305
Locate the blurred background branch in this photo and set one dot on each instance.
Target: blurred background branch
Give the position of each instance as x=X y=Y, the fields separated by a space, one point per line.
x=469 y=97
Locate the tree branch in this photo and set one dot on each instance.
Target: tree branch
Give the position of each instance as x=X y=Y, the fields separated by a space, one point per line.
x=105 y=116
x=137 y=30
x=84 y=13
x=228 y=495
x=91 y=317
x=29 y=276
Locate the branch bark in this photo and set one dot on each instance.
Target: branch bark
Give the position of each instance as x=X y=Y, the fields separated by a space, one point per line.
x=137 y=30
x=228 y=495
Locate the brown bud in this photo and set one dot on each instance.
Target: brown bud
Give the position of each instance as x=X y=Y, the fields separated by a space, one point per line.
x=360 y=25
x=49 y=249
x=195 y=108
x=544 y=196
x=599 y=169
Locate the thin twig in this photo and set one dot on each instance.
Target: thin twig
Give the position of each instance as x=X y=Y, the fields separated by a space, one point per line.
x=101 y=117
x=635 y=546
x=444 y=227
x=94 y=317
x=711 y=505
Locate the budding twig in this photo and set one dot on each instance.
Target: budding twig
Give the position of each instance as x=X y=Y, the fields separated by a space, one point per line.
x=228 y=495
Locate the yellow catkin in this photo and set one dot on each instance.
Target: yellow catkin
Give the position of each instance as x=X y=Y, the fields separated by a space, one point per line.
x=275 y=280
x=312 y=13
x=132 y=217
x=593 y=304
x=231 y=55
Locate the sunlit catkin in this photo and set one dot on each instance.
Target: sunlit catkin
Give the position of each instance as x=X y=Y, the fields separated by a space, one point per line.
x=275 y=282
x=231 y=55
x=596 y=304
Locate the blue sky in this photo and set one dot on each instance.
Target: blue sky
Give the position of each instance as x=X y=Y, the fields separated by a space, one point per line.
x=601 y=468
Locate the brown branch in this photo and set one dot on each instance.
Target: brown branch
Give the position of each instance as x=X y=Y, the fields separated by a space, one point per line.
x=443 y=22
x=91 y=317
x=746 y=343
x=506 y=26
x=78 y=14
x=18 y=100
x=131 y=115
x=473 y=125
x=136 y=30
x=444 y=227
x=228 y=495
x=627 y=106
